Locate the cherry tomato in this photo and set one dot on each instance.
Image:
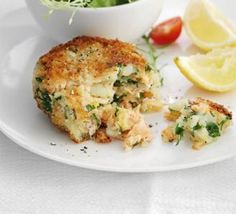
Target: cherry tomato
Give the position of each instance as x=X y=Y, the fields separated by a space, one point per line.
x=167 y=31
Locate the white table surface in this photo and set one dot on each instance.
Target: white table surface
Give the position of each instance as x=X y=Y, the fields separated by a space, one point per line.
x=30 y=184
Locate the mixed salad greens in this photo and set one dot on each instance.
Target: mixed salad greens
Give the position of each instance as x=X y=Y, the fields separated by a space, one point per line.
x=109 y=3
x=76 y=4
x=73 y=4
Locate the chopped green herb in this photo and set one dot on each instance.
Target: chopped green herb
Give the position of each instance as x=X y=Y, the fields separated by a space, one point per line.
x=130 y=81
x=133 y=104
x=148 y=68
x=162 y=81
x=197 y=127
x=179 y=139
x=222 y=123
x=69 y=113
x=136 y=144
x=120 y=65
x=192 y=113
x=212 y=114
x=58 y=98
x=94 y=117
x=124 y=80
x=172 y=110
x=120 y=68
x=141 y=95
x=117 y=83
x=179 y=130
x=118 y=99
x=213 y=130
x=116 y=112
x=39 y=79
x=90 y=107
x=186 y=107
x=46 y=100
x=66 y=109
x=137 y=71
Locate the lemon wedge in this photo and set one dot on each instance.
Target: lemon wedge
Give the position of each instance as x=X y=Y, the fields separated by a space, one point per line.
x=207 y=27
x=214 y=71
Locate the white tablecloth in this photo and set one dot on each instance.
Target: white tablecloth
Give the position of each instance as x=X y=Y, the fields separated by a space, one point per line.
x=30 y=184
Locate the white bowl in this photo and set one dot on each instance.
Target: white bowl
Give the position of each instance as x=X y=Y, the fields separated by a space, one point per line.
x=126 y=22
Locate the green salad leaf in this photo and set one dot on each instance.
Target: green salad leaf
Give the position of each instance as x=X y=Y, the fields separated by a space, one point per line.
x=108 y=3
x=103 y=3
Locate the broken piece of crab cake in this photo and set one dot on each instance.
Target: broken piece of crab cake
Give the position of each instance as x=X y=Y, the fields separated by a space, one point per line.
x=202 y=120
x=95 y=88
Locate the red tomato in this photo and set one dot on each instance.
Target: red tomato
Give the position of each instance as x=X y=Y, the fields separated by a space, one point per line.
x=167 y=31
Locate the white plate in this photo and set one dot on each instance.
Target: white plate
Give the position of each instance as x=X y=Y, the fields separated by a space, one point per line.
x=21 y=120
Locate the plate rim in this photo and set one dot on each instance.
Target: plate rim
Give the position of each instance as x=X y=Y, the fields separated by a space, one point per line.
x=5 y=131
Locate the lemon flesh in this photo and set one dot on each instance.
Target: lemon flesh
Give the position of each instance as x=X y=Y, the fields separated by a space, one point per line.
x=214 y=71
x=207 y=27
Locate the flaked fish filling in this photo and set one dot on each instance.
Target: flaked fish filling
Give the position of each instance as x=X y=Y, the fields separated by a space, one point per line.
x=200 y=120
x=100 y=106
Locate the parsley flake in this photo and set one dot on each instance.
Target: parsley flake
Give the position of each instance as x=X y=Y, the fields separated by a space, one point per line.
x=213 y=130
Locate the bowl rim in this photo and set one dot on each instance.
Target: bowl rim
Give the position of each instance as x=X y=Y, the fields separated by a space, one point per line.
x=116 y=7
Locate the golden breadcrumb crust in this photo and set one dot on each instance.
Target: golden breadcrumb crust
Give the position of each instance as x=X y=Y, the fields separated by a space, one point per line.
x=214 y=106
x=65 y=70
x=104 y=54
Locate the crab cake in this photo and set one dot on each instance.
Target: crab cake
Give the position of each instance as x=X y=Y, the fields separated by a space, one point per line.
x=202 y=120
x=95 y=88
